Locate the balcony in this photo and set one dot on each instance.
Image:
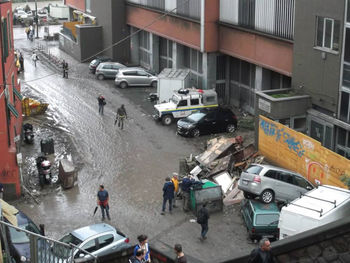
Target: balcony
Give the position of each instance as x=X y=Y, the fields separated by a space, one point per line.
x=275 y=17
x=186 y=8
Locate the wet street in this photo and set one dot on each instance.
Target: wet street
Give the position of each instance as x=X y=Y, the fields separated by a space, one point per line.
x=131 y=163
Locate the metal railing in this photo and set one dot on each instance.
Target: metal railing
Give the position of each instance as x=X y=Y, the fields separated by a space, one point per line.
x=47 y=250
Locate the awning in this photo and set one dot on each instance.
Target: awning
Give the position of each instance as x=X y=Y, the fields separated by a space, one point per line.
x=17 y=93
x=12 y=109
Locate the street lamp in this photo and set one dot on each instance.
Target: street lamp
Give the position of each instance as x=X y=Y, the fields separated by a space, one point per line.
x=36 y=19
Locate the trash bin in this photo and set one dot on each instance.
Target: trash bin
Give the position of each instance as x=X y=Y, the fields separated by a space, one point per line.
x=67 y=173
x=47 y=146
x=210 y=193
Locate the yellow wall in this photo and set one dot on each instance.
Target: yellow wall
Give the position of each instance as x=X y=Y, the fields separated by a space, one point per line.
x=71 y=26
x=298 y=152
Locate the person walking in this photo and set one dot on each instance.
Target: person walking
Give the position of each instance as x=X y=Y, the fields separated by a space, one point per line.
x=121 y=115
x=143 y=244
x=186 y=188
x=202 y=219
x=34 y=58
x=263 y=253
x=180 y=256
x=102 y=201
x=176 y=188
x=27 y=30
x=21 y=61
x=101 y=103
x=168 y=195
x=139 y=257
x=65 y=69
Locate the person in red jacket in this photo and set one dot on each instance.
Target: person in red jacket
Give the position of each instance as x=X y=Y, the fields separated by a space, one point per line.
x=102 y=201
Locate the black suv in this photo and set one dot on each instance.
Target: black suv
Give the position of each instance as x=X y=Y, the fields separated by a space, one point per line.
x=207 y=121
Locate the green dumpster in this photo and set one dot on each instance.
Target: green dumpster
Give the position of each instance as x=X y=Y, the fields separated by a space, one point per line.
x=209 y=193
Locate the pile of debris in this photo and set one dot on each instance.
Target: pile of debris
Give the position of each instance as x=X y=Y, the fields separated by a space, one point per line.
x=222 y=162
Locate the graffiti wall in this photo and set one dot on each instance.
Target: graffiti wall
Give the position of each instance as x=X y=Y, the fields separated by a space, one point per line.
x=298 y=152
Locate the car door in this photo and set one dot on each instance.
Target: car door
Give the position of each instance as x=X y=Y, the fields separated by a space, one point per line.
x=89 y=245
x=143 y=78
x=302 y=185
x=208 y=123
x=131 y=77
x=107 y=71
x=285 y=186
x=105 y=245
x=114 y=70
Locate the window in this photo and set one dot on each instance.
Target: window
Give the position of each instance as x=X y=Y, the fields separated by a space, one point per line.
x=13 y=88
x=345 y=106
x=328 y=31
x=254 y=169
x=286 y=177
x=182 y=103
x=9 y=30
x=267 y=219
x=301 y=182
x=210 y=99
x=129 y=73
x=141 y=73
x=271 y=174
x=88 y=5
x=5 y=39
x=107 y=67
x=194 y=101
x=193 y=60
x=105 y=240
x=90 y=246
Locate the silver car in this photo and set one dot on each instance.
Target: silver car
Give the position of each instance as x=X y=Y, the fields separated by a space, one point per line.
x=272 y=183
x=135 y=77
x=108 y=70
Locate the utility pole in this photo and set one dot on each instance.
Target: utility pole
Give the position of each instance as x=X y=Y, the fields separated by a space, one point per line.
x=36 y=19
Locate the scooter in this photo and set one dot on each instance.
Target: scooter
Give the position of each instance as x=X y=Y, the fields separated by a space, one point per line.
x=44 y=170
x=28 y=133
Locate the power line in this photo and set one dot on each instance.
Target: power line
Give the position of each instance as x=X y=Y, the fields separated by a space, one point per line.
x=137 y=31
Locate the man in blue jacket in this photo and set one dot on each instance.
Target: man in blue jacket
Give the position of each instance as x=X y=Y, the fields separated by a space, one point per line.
x=168 y=195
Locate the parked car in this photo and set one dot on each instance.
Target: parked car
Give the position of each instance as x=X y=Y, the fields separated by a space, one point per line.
x=99 y=240
x=260 y=219
x=272 y=183
x=108 y=70
x=94 y=63
x=207 y=121
x=21 y=14
x=135 y=77
x=18 y=241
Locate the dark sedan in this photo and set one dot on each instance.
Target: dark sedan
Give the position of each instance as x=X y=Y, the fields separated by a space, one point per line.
x=93 y=64
x=208 y=121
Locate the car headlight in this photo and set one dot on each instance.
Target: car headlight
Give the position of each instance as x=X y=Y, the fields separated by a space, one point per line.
x=23 y=259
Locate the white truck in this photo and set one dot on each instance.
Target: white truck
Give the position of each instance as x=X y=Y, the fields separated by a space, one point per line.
x=315 y=208
x=183 y=103
x=170 y=80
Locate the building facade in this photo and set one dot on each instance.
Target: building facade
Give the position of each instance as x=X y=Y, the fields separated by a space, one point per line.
x=10 y=107
x=244 y=47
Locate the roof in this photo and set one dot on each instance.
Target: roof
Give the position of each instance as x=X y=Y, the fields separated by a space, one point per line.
x=262 y=208
x=320 y=201
x=268 y=166
x=89 y=231
x=171 y=73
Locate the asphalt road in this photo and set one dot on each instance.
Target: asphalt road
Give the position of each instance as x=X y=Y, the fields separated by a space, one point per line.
x=132 y=163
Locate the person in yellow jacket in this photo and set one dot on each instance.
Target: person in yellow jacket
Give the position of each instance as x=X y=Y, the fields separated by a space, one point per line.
x=176 y=188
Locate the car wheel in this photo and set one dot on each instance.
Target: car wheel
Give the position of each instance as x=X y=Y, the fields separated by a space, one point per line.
x=154 y=84
x=231 y=128
x=100 y=77
x=167 y=119
x=123 y=85
x=196 y=133
x=248 y=195
x=267 y=196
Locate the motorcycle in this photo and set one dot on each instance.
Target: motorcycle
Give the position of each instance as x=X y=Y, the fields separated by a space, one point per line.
x=28 y=133
x=44 y=170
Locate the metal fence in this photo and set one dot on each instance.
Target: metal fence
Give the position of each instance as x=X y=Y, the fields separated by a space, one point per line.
x=47 y=250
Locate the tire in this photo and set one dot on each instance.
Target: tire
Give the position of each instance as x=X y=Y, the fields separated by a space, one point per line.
x=231 y=128
x=154 y=84
x=123 y=85
x=248 y=195
x=196 y=133
x=167 y=120
x=267 y=196
x=100 y=77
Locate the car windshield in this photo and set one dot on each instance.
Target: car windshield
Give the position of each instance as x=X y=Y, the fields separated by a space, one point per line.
x=71 y=239
x=254 y=169
x=175 y=99
x=94 y=62
x=196 y=117
x=18 y=237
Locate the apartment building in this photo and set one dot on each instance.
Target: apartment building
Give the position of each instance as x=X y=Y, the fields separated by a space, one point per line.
x=10 y=107
x=244 y=47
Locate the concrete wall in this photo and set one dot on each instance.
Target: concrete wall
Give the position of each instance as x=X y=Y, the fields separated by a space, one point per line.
x=322 y=82
x=86 y=45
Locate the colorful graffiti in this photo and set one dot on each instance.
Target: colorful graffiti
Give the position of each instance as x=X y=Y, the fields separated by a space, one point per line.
x=293 y=150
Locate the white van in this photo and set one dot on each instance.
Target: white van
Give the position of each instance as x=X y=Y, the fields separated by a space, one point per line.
x=317 y=207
